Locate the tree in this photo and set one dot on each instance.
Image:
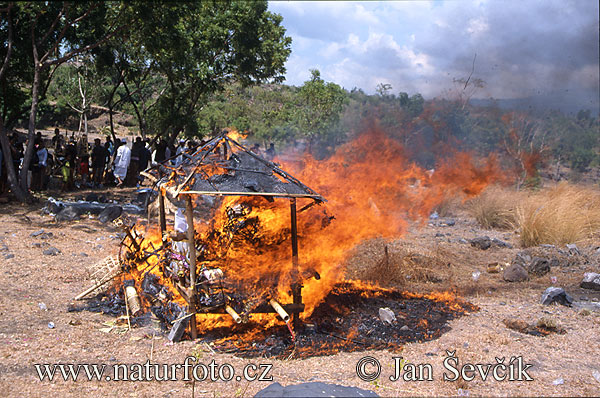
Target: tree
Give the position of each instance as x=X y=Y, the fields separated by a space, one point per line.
x=56 y=32
x=210 y=44
x=320 y=107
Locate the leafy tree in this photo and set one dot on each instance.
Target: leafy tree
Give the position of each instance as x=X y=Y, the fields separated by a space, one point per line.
x=320 y=106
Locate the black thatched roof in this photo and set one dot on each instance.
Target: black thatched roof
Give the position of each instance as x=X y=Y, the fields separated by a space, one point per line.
x=223 y=166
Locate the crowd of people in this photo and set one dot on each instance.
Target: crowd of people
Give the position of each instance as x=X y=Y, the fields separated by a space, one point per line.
x=78 y=164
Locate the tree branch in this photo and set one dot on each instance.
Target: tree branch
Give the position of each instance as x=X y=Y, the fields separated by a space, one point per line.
x=10 y=43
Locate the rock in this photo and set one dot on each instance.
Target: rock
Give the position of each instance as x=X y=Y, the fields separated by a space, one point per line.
x=52 y=251
x=558 y=295
x=313 y=389
x=387 y=315
x=482 y=243
x=501 y=243
x=463 y=240
x=547 y=246
x=69 y=213
x=591 y=280
x=110 y=213
x=36 y=233
x=515 y=273
x=9 y=256
x=53 y=207
x=573 y=250
x=596 y=375
x=405 y=328
x=522 y=258
x=538 y=266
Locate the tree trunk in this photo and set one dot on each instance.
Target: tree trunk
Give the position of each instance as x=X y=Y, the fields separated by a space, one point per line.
x=31 y=131
x=21 y=195
x=112 y=125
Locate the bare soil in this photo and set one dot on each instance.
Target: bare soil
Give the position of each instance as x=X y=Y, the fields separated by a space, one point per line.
x=428 y=258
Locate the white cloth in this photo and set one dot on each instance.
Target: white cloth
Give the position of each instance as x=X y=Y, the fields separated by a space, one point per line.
x=43 y=157
x=122 y=161
x=181 y=226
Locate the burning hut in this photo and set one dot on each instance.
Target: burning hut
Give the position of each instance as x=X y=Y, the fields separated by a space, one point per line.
x=222 y=168
x=233 y=273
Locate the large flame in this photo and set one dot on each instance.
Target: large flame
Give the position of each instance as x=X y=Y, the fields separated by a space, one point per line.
x=372 y=190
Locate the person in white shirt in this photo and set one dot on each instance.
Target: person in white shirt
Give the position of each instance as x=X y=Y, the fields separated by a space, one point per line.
x=121 y=163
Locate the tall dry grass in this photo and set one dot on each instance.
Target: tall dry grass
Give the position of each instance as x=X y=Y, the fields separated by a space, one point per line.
x=496 y=207
x=563 y=214
x=566 y=213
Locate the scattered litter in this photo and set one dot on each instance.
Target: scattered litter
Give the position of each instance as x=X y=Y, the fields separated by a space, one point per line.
x=50 y=325
x=495 y=268
x=543 y=327
x=43 y=306
x=462 y=393
x=596 y=375
x=476 y=275
x=558 y=382
x=9 y=256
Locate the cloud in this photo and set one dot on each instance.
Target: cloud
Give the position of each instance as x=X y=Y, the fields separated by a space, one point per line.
x=528 y=48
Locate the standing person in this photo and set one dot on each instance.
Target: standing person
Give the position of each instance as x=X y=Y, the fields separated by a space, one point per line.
x=35 y=181
x=270 y=152
x=16 y=148
x=68 y=170
x=144 y=156
x=160 y=152
x=58 y=143
x=122 y=159
x=180 y=149
x=99 y=156
x=83 y=157
x=42 y=154
x=134 y=163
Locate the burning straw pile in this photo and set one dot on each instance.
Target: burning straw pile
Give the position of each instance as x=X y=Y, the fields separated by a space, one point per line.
x=241 y=280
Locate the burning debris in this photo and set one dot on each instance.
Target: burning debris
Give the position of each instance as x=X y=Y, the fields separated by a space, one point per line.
x=238 y=278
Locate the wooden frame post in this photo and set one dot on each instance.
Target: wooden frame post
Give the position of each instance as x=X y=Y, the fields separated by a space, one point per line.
x=161 y=212
x=296 y=285
x=192 y=251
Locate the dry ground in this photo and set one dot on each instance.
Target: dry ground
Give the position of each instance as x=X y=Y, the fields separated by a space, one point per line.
x=31 y=278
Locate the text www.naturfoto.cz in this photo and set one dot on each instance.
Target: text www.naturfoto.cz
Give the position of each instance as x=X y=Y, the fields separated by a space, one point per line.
x=154 y=372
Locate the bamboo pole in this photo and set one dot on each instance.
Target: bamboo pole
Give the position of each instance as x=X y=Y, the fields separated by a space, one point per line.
x=192 y=252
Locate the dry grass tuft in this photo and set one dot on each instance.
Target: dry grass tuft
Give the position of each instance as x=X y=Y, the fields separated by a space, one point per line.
x=398 y=265
x=495 y=207
x=560 y=215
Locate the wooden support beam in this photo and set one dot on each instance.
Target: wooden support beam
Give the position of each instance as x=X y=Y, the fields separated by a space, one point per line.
x=296 y=285
x=275 y=194
x=161 y=212
x=192 y=251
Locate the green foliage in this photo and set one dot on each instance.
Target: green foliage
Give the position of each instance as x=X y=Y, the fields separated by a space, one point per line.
x=319 y=107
